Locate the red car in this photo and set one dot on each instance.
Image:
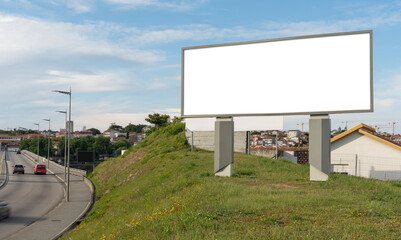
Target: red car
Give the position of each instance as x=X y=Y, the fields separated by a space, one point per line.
x=40 y=169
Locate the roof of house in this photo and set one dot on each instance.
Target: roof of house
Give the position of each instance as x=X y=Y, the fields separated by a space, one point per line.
x=356 y=128
x=84 y=132
x=367 y=131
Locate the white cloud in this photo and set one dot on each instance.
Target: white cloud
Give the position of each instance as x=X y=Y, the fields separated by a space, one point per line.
x=83 y=82
x=25 y=38
x=385 y=105
x=27 y=4
x=102 y=82
x=266 y=30
x=80 y=6
x=181 y=5
x=389 y=87
x=37 y=44
x=102 y=117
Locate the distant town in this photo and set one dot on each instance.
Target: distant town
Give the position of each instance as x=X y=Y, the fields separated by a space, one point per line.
x=132 y=134
x=297 y=138
x=119 y=138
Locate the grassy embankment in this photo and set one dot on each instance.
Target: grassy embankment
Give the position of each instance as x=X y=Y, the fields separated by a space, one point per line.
x=162 y=190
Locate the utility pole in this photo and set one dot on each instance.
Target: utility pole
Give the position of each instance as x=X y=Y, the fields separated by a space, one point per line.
x=394 y=123
x=65 y=145
x=67 y=198
x=302 y=126
x=277 y=144
x=48 y=144
x=38 y=140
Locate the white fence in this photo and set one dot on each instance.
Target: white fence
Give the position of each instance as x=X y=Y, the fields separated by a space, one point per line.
x=377 y=167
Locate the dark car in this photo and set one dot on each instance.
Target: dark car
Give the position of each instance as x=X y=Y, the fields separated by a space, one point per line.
x=40 y=169
x=4 y=210
x=18 y=152
x=19 y=168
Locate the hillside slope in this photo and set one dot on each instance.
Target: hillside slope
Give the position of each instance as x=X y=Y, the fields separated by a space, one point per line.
x=162 y=190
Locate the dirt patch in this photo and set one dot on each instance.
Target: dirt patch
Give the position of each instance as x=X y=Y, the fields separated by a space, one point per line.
x=279 y=185
x=283 y=185
x=132 y=157
x=252 y=184
x=120 y=164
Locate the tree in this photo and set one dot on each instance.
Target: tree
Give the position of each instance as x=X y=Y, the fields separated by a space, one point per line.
x=32 y=146
x=158 y=119
x=115 y=127
x=176 y=120
x=102 y=145
x=133 y=128
x=94 y=131
x=82 y=144
x=121 y=144
x=61 y=145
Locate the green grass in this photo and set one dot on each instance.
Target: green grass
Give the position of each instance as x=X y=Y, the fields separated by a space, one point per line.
x=162 y=190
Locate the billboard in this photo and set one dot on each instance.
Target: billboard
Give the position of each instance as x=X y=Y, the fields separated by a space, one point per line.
x=318 y=74
x=240 y=123
x=86 y=156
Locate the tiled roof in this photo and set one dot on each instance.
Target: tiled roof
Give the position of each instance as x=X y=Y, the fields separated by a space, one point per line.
x=356 y=128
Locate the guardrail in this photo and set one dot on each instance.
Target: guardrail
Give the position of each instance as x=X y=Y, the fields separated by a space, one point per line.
x=34 y=158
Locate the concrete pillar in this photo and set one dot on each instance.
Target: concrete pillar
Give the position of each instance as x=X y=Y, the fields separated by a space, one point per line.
x=224 y=147
x=319 y=147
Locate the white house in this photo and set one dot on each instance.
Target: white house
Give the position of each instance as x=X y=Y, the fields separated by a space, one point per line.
x=293 y=134
x=360 y=151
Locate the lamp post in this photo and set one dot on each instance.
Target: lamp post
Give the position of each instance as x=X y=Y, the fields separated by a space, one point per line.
x=38 y=140
x=48 y=144
x=67 y=198
x=65 y=145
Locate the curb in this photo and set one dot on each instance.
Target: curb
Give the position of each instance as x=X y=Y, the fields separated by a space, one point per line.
x=81 y=217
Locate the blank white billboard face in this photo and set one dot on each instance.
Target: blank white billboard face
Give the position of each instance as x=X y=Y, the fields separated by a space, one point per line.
x=240 y=123
x=306 y=75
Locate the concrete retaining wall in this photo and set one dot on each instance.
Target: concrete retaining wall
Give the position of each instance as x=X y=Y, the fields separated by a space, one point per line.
x=205 y=140
x=3 y=169
x=290 y=156
x=264 y=153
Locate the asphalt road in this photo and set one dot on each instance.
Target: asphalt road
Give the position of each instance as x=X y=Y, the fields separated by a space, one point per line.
x=30 y=196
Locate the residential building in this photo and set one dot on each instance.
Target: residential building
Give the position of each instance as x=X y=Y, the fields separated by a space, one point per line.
x=293 y=134
x=109 y=133
x=82 y=134
x=361 y=151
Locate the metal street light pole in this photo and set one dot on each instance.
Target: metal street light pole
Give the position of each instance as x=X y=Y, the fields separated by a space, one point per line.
x=65 y=145
x=48 y=144
x=38 y=140
x=68 y=156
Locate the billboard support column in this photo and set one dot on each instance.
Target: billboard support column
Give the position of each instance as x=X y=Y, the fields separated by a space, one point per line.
x=319 y=147
x=223 y=146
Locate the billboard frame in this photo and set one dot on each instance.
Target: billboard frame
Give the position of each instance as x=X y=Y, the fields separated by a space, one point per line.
x=371 y=108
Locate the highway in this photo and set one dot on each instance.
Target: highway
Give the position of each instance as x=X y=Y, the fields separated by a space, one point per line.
x=30 y=196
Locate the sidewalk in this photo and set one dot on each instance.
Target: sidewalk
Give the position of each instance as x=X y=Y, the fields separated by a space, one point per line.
x=66 y=215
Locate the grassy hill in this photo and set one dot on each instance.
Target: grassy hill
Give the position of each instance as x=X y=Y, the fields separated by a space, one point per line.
x=162 y=190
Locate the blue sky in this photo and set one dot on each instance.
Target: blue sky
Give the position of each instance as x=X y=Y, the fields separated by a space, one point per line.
x=122 y=58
